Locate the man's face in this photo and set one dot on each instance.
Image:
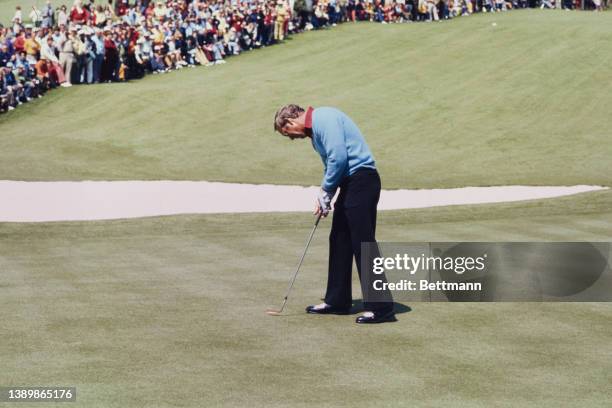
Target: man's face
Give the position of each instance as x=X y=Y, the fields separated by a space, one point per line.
x=293 y=130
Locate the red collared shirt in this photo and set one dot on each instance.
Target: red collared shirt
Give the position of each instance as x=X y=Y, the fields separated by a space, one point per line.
x=308 y=120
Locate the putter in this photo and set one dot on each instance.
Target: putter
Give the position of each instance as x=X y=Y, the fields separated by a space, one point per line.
x=274 y=312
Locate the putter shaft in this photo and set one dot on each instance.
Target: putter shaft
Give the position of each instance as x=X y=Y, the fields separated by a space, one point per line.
x=298 y=266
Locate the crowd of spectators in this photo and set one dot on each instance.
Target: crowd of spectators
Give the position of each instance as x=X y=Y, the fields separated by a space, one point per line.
x=126 y=39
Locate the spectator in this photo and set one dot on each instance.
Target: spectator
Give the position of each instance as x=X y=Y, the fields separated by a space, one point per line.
x=17 y=19
x=97 y=47
x=14 y=88
x=139 y=60
x=67 y=55
x=321 y=17
x=160 y=11
x=268 y=31
x=100 y=17
x=432 y=11
x=26 y=82
x=98 y=43
x=19 y=42
x=32 y=48
x=78 y=14
x=111 y=58
x=5 y=55
x=62 y=17
x=7 y=97
x=47 y=52
x=282 y=13
x=35 y=16
x=86 y=56
x=48 y=15
x=43 y=76
x=351 y=10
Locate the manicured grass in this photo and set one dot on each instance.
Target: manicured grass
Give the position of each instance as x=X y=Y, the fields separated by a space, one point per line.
x=7 y=8
x=449 y=104
x=169 y=311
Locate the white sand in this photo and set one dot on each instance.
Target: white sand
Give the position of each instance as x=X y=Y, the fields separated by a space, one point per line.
x=99 y=200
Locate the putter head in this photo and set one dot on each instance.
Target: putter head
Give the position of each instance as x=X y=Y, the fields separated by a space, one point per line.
x=273 y=312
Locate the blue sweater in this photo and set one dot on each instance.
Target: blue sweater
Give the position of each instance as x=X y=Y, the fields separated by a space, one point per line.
x=341 y=146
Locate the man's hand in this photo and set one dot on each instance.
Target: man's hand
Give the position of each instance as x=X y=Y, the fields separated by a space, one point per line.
x=323 y=203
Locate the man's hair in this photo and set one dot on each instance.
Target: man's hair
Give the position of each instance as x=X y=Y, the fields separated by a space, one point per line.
x=284 y=114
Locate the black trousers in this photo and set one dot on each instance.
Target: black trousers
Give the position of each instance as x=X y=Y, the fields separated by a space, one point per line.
x=354 y=222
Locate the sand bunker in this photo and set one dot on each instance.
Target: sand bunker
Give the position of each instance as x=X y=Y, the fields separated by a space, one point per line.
x=100 y=200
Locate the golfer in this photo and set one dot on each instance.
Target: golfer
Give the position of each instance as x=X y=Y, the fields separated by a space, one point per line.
x=349 y=166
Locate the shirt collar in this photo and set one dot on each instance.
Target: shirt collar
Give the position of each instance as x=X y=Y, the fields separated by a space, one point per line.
x=308 y=120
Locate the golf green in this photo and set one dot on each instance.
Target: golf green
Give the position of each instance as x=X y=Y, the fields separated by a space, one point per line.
x=169 y=311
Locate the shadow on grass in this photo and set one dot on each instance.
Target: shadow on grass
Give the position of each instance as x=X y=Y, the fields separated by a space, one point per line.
x=398 y=308
x=357 y=307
